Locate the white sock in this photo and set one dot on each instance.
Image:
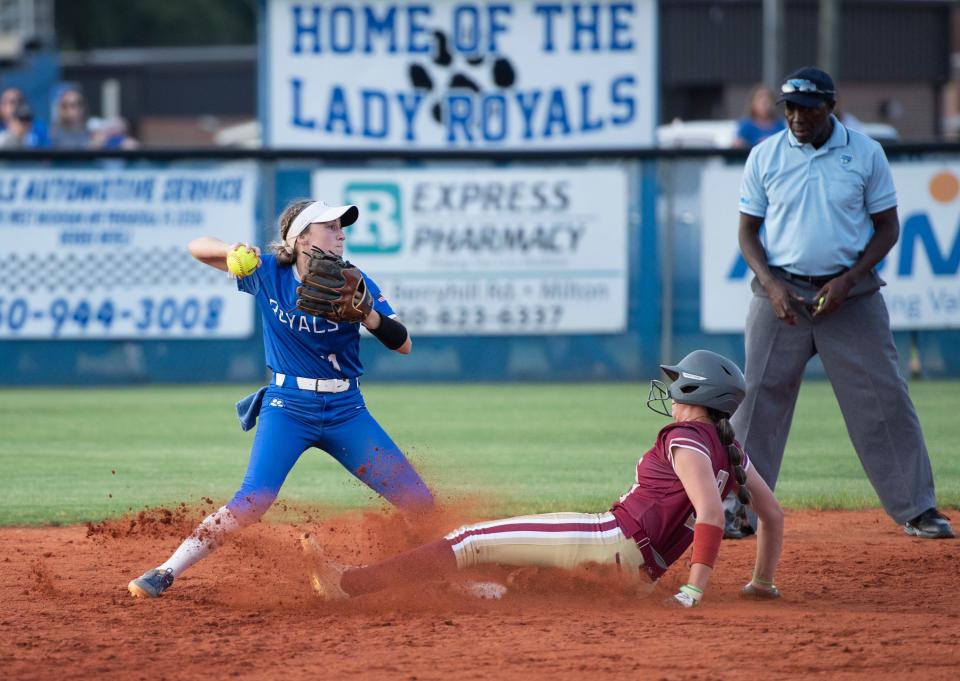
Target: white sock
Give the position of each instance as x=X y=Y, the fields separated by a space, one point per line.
x=202 y=542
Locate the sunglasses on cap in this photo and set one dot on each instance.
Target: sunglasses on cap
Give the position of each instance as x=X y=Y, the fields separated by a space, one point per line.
x=802 y=85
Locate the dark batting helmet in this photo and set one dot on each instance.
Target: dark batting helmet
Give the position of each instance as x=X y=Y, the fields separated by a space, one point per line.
x=702 y=377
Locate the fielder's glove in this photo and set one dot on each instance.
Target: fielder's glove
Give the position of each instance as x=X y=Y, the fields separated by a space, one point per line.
x=334 y=289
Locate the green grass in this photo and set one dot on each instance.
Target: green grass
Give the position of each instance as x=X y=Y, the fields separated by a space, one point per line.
x=71 y=455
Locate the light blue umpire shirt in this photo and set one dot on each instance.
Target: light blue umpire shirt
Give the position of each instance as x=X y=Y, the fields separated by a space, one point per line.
x=816 y=203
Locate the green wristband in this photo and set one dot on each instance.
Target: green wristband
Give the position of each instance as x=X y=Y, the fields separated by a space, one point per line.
x=692 y=591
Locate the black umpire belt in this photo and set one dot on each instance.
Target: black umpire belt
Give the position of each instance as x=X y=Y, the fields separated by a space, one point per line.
x=816 y=282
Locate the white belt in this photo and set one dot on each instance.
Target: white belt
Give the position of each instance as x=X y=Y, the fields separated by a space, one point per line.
x=317 y=385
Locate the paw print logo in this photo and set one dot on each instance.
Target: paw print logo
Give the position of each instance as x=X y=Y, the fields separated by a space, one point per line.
x=276 y=402
x=458 y=74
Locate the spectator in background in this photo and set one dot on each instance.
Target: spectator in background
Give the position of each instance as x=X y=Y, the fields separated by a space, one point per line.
x=10 y=99
x=761 y=120
x=20 y=133
x=70 y=120
x=19 y=130
x=850 y=122
x=110 y=133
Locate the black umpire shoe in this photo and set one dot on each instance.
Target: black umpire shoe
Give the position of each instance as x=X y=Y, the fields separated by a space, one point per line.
x=931 y=524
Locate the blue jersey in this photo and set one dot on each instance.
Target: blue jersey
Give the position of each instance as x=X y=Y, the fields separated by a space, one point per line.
x=297 y=343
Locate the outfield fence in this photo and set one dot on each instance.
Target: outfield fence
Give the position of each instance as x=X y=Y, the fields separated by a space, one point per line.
x=546 y=267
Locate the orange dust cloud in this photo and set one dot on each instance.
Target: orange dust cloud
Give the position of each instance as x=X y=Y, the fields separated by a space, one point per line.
x=944 y=187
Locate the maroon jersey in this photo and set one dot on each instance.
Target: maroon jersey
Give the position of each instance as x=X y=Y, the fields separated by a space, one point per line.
x=657 y=507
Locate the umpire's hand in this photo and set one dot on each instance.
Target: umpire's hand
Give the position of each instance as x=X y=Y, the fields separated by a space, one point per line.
x=833 y=293
x=781 y=297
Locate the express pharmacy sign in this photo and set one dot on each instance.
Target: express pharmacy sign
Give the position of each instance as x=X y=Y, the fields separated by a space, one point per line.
x=492 y=251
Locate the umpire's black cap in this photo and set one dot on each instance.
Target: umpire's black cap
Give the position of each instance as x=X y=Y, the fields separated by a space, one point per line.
x=808 y=87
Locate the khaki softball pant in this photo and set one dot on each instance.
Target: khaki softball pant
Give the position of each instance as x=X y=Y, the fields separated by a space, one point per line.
x=560 y=540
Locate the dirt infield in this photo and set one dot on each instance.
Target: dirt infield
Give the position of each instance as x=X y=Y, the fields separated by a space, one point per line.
x=862 y=600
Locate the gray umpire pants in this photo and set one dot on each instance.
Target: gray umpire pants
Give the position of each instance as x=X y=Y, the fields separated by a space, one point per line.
x=856 y=347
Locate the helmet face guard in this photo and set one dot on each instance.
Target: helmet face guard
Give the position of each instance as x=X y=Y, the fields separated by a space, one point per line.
x=657 y=398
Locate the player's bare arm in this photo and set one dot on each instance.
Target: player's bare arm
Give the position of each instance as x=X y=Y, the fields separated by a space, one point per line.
x=769 y=535
x=886 y=231
x=212 y=251
x=696 y=474
x=777 y=292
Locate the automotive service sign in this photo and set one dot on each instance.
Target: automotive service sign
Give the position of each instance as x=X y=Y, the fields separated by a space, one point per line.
x=102 y=253
x=443 y=75
x=921 y=271
x=506 y=251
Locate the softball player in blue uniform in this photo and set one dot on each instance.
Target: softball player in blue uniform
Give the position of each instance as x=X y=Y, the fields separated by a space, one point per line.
x=313 y=398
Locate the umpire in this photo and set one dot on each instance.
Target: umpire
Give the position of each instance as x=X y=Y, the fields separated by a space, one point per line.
x=826 y=201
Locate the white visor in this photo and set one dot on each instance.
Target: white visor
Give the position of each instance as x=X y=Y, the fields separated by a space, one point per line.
x=318 y=211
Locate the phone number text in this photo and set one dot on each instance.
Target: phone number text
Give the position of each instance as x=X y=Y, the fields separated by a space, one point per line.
x=143 y=315
x=478 y=317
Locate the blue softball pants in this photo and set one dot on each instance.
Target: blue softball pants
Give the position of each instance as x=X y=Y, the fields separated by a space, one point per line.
x=292 y=420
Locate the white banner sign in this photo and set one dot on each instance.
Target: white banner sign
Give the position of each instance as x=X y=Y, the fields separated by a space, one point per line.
x=502 y=251
x=101 y=253
x=921 y=271
x=405 y=74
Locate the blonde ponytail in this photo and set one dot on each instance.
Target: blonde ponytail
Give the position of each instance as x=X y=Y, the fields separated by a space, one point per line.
x=287 y=254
